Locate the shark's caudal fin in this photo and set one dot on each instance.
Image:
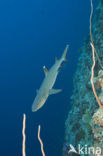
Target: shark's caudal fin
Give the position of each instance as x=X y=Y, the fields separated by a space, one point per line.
x=65 y=53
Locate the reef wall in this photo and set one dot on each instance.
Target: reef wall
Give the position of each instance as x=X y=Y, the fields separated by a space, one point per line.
x=84 y=124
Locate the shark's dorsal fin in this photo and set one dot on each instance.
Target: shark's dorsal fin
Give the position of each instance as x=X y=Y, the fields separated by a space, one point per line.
x=54 y=91
x=45 y=70
x=56 y=59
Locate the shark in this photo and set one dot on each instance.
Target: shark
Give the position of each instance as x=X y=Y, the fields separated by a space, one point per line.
x=46 y=89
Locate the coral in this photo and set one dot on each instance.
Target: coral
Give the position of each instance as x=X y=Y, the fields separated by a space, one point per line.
x=79 y=127
x=24 y=138
x=99 y=84
x=97 y=128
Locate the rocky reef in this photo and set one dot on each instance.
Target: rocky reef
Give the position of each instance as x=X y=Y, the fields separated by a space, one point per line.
x=84 y=124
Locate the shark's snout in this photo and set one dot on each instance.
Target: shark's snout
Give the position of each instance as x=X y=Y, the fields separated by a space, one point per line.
x=37 y=104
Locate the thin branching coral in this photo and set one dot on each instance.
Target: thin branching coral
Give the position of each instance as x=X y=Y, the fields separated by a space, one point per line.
x=93 y=56
x=41 y=143
x=91 y=37
x=24 y=138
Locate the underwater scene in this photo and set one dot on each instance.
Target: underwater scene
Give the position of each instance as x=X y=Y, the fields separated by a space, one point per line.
x=51 y=78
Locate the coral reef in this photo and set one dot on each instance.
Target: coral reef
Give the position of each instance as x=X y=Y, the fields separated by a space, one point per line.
x=97 y=128
x=84 y=124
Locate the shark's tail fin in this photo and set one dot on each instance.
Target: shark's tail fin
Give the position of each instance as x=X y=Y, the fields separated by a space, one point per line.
x=65 y=53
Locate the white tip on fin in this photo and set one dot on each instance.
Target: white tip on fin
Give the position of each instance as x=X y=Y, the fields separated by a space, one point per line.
x=54 y=91
x=45 y=70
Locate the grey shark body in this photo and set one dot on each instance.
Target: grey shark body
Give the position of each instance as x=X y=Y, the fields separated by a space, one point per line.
x=46 y=88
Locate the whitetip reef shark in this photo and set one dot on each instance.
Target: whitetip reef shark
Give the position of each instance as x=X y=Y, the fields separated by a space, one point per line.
x=46 y=88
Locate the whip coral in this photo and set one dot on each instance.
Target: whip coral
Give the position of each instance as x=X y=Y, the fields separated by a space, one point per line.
x=24 y=138
x=93 y=56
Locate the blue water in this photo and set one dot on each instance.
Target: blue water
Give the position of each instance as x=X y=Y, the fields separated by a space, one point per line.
x=32 y=34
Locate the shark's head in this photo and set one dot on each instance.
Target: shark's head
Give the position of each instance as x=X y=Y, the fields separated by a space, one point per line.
x=38 y=102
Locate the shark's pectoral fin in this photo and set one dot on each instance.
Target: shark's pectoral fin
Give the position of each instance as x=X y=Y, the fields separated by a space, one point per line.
x=45 y=70
x=54 y=91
